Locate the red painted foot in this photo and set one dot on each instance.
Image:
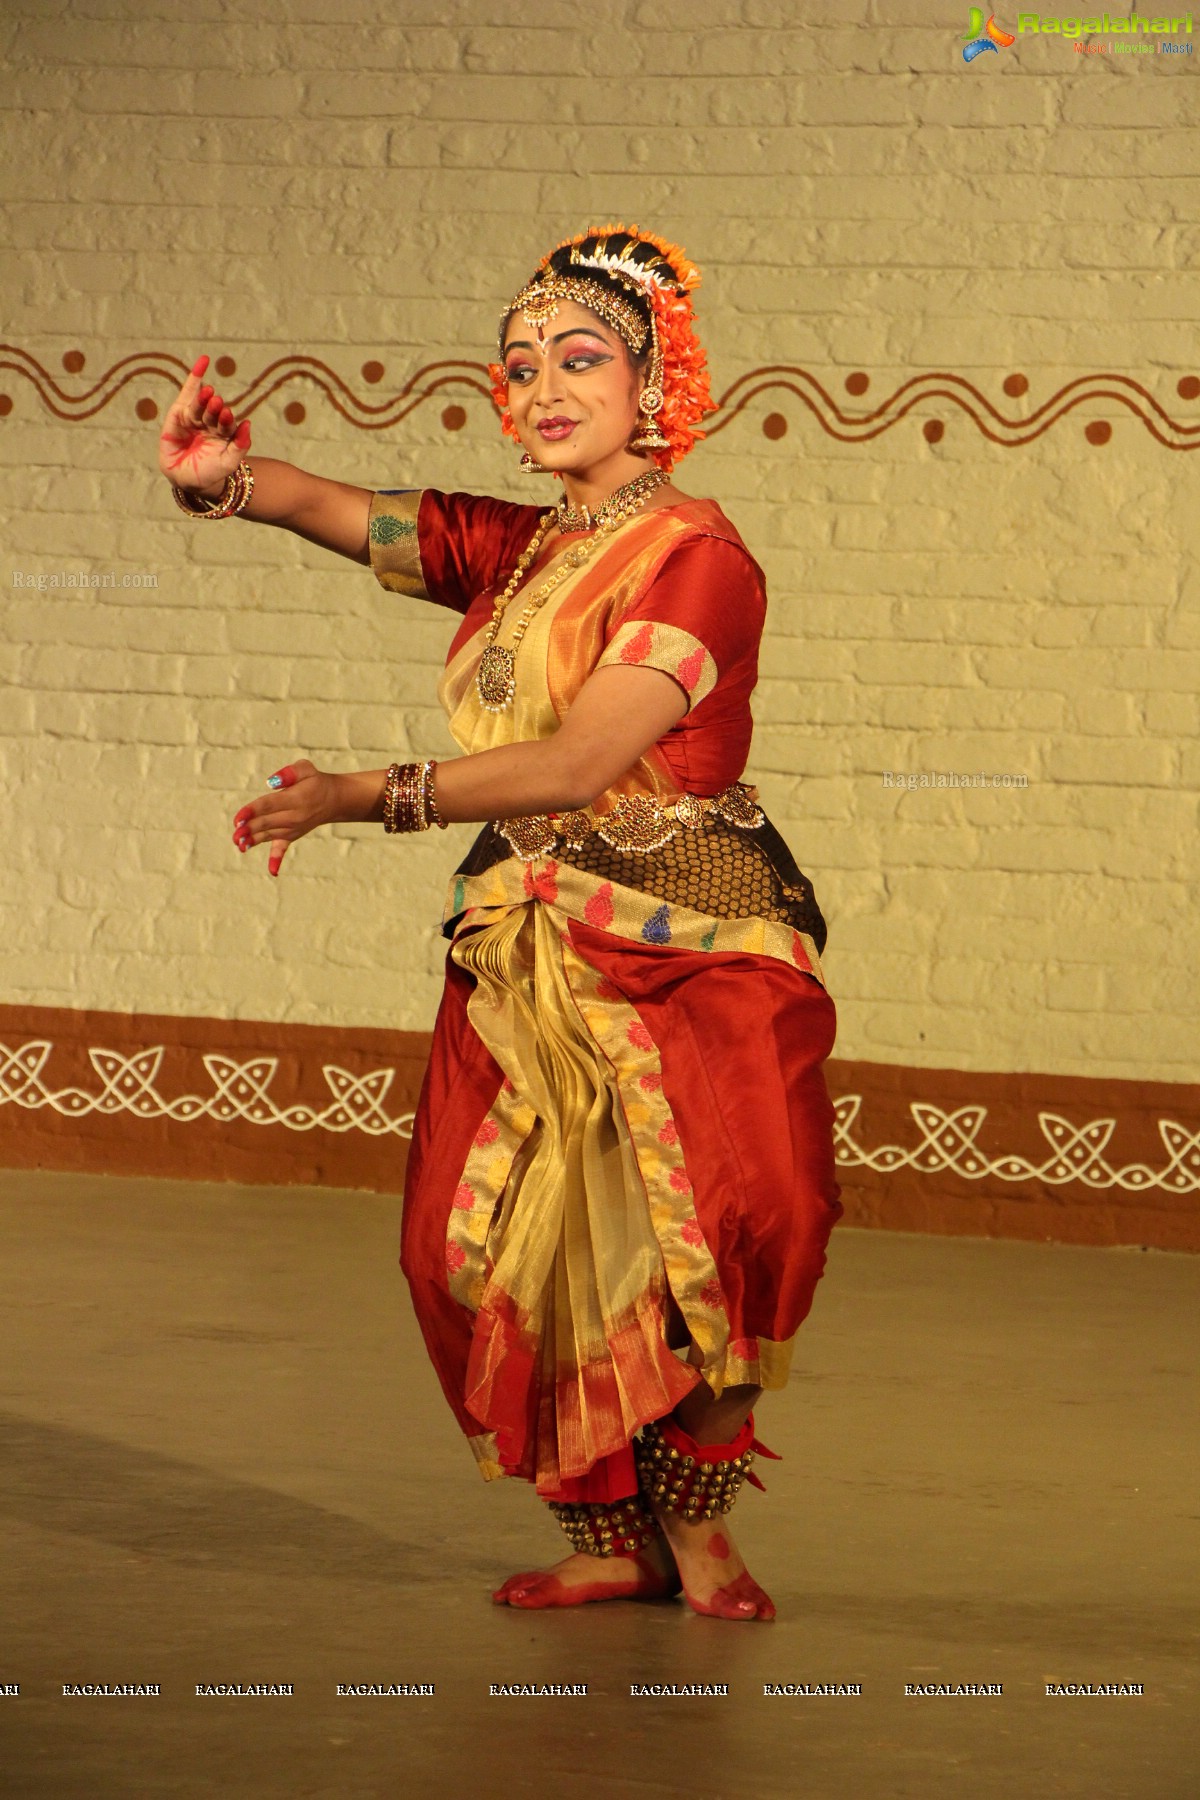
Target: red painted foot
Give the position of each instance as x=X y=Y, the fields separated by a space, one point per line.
x=537 y=1589
x=739 y=1599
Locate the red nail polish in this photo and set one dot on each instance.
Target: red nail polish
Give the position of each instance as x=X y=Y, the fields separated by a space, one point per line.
x=199 y=366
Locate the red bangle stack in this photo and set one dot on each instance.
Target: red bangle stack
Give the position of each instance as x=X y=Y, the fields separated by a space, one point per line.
x=408 y=800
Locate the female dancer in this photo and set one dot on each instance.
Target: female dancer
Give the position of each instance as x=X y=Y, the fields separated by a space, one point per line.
x=623 y=1146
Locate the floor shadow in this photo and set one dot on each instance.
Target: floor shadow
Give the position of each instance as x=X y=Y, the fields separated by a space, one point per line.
x=54 y=1478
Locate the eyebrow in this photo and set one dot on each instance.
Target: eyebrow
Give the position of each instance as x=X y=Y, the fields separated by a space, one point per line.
x=575 y=331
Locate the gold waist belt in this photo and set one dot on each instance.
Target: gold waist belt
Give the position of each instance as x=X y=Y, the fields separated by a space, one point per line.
x=637 y=822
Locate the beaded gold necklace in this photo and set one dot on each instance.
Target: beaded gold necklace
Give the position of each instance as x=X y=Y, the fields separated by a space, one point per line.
x=495 y=679
x=642 y=486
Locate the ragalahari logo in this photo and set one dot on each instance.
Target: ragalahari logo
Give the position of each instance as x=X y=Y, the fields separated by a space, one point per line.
x=984 y=37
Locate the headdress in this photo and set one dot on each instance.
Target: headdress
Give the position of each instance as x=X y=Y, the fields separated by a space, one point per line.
x=640 y=285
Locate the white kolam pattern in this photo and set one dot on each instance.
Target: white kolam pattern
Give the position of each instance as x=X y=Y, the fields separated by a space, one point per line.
x=240 y=1091
x=948 y=1141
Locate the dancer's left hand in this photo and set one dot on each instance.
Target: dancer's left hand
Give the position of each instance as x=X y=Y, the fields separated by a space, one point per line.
x=300 y=797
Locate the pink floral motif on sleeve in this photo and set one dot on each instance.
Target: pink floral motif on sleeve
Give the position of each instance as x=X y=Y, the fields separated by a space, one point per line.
x=637 y=648
x=650 y=644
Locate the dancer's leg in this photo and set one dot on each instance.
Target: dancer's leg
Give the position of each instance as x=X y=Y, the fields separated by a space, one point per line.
x=715 y=1579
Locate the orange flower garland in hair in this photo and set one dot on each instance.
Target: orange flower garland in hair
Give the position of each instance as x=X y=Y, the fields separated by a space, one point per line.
x=666 y=284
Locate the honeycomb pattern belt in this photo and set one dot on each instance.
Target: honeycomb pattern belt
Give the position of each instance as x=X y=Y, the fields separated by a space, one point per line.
x=637 y=822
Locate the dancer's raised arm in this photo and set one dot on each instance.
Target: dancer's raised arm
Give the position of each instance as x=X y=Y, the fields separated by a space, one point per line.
x=202 y=444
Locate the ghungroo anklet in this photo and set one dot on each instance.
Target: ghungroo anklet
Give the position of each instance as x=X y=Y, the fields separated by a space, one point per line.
x=694 y=1479
x=606 y=1528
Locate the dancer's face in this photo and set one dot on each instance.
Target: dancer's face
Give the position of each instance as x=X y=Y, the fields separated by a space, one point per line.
x=573 y=388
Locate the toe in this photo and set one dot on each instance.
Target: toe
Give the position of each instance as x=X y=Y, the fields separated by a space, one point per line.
x=516 y=1584
x=741 y=1598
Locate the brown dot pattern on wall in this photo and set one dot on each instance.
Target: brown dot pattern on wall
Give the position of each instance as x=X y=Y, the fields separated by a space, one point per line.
x=934 y=430
x=455 y=384
x=372 y=372
x=775 y=426
x=146 y=409
x=1097 y=431
x=1016 y=385
x=454 y=417
x=73 y=361
x=5 y=405
x=225 y=367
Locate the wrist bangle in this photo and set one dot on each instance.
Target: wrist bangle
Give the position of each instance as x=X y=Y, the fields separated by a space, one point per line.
x=408 y=802
x=429 y=803
x=402 y=798
x=232 y=499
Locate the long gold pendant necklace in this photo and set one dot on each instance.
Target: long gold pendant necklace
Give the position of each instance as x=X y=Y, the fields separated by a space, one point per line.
x=495 y=679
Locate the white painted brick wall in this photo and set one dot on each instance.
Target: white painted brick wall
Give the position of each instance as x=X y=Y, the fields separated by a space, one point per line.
x=857 y=199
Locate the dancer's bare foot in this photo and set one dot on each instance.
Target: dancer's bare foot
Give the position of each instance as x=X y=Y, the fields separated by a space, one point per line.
x=716 y=1582
x=650 y=1574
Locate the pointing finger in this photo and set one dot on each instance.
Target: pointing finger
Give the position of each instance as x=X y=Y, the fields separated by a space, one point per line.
x=191 y=385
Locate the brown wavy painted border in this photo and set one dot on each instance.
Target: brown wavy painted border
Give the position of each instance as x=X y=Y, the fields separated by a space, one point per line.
x=765 y=389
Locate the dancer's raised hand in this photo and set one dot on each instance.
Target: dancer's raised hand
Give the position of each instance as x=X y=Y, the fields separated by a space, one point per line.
x=201 y=443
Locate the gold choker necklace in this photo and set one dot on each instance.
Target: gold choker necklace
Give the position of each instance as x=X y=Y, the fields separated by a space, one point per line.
x=495 y=678
x=584 y=519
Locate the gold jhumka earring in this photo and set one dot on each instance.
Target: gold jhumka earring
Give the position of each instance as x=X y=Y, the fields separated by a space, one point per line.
x=650 y=401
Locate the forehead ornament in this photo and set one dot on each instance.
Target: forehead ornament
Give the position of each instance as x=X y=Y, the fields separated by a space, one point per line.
x=538 y=304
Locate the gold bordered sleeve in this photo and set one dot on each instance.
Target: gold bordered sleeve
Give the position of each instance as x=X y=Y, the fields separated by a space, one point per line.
x=699 y=620
x=393 y=543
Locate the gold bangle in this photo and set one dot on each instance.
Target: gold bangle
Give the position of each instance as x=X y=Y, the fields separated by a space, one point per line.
x=409 y=810
x=429 y=806
x=389 y=797
x=233 y=498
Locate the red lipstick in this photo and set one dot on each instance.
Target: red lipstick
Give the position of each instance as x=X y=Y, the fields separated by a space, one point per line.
x=556 y=428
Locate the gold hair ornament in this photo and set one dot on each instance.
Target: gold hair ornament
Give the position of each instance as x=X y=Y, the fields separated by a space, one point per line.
x=538 y=304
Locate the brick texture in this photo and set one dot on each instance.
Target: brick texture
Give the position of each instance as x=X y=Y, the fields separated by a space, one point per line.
x=858 y=200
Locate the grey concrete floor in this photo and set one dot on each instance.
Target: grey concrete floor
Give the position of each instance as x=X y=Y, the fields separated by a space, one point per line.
x=224 y=1457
